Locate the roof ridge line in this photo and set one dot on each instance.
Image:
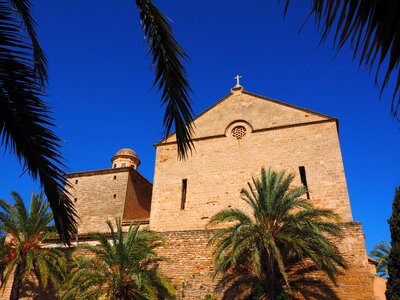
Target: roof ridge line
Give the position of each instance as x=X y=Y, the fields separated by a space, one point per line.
x=254 y=95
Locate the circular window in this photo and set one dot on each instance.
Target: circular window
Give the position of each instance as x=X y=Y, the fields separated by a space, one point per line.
x=239 y=132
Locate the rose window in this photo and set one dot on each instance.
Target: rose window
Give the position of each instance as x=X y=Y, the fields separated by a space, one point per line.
x=239 y=132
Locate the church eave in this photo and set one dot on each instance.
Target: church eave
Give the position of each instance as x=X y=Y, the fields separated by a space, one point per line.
x=289 y=105
x=107 y=171
x=329 y=118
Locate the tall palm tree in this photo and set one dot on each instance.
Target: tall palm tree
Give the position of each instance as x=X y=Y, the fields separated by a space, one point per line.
x=381 y=253
x=26 y=127
x=24 y=257
x=282 y=227
x=372 y=28
x=124 y=267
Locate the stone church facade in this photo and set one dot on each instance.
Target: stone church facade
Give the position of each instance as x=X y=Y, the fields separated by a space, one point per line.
x=233 y=139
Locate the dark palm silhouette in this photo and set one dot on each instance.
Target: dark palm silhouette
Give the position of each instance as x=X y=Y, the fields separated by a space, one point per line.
x=26 y=127
x=25 y=122
x=372 y=27
x=170 y=74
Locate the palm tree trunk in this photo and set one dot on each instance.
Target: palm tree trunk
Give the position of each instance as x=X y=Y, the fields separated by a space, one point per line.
x=272 y=280
x=270 y=290
x=121 y=294
x=17 y=284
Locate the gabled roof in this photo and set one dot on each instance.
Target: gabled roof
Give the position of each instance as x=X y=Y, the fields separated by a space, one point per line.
x=259 y=111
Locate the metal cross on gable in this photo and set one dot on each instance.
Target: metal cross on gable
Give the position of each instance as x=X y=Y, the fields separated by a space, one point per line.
x=237 y=77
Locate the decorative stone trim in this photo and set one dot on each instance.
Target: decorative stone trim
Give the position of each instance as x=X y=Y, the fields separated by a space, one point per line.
x=238 y=129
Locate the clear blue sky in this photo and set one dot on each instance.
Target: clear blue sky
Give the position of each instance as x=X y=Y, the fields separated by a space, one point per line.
x=101 y=96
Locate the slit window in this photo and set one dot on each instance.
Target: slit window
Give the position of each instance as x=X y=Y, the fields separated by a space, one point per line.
x=76 y=181
x=303 y=179
x=115 y=196
x=183 y=197
x=115 y=177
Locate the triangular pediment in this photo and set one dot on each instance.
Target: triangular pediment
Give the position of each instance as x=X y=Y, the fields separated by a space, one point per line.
x=257 y=111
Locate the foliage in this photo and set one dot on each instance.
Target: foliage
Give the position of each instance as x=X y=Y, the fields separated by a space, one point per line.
x=393 y=283
x=125 y=267
x=371 y=27
x=23 y=255
x=170 y=74
x=25 y=122
x=283 y=229
x=3 y=253
x=381 y=253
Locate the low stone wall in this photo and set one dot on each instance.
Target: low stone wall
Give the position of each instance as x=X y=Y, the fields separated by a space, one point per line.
x=191 y=265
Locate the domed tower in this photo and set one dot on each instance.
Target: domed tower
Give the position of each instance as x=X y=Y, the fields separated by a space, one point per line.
x=125 y=158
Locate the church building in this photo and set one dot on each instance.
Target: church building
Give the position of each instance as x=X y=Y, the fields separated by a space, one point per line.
x=233 y=140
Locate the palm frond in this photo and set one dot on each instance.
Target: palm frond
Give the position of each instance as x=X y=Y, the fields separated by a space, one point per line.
x=170 y=74
x=124 y=264
x=230 y=215
x=373 y=29
x=381 y=253
x=23 y=256
x=283 y=227
x=25 y=124
x=23 y=8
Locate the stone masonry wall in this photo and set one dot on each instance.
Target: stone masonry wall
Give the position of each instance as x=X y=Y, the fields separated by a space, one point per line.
x=221 y=167
x=259 y=111
x=138 y=198
x=191 y=265
x=99 y=197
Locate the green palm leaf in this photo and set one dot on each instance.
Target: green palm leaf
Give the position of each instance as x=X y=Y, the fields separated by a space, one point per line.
x=283 y=231
x=381 y=253
x=22 y=254
x=122 y=266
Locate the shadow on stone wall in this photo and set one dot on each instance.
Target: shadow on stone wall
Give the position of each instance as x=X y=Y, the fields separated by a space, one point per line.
x=31 y=291
x=243 y=284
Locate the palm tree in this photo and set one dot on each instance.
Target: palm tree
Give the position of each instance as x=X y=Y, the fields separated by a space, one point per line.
x=282 y=228
x=24 y=256
x=381 y=253
x=123 y=267
x=373 y=29
x=26 y=127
